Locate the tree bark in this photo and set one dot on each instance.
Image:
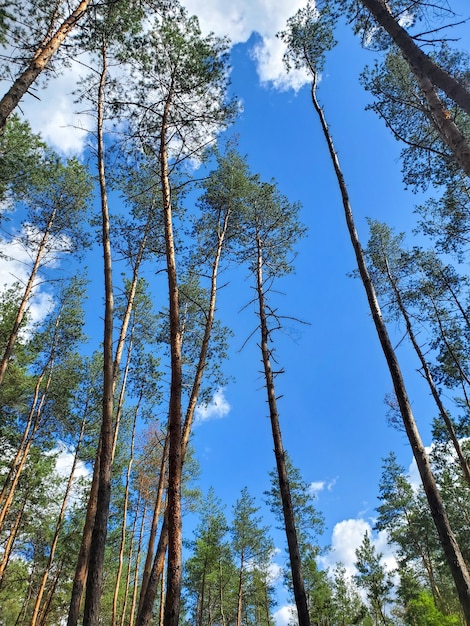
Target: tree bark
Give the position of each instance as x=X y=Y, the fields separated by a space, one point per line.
x=429 y=379
x=420 y=63
x=55 y=540
x=447 y=538
x=287 y=507
x=98 y=539
x=26 y=295
x=38 y=63
x=174 y=570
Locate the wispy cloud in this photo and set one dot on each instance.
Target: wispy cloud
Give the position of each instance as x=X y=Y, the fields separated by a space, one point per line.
x=217 y=408
x=317 y=486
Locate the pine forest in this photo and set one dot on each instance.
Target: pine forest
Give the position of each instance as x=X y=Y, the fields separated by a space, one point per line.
x=235 y=313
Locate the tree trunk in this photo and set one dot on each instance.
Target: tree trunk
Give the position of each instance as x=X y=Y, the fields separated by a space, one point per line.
x=38 y=63
x=287 y=508
x=444 y=125
x=420 y=63
x=174 y=570
x=240 y=591
x=114 y=617
x=148 y=592
x=55 y=540
x=8 y=545
x=81 y=569
x=26 y=295
x=146 y=574
x=144 y=616
x=448 y=541
x=428 y=376
x=136 y=568
x=98 y=539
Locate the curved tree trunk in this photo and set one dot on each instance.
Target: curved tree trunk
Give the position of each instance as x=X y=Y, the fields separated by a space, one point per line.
x=447 y=538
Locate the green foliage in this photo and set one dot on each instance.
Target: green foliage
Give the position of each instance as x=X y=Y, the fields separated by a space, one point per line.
x=398 y=100
x=20 y=152
x=421 y=611
x=210 y=571
x=309 y=35
x=374 y=579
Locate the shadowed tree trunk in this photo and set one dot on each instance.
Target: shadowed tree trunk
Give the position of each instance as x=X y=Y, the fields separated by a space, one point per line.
x=287 y=507
x=420 y=63
x=447 y=538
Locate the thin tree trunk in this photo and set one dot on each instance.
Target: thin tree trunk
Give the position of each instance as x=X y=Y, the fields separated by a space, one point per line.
x=153 y=529
x=81 y=569
x=38 y=63
x=8 y=546
x=221 y=595
x=82 y=563
x=35 y=417
x=428 y=376
x=148 y=592
x=60 y=519
x=444 y=125
x=26 y=295
x=161 y=611
x=122 y=621
x=136 y=568
x=448 y=541
x=124 y=518
x=287 y=507
x=98 y=539
x=240 y=590
x=420 y=63
x=144 y=615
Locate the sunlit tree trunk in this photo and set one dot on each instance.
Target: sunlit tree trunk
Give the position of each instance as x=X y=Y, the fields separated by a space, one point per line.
x=99 y=533
x=60 y=519
x=428 y=376
x=34 y=422
x=114 y=617
x=146 y=574
x=8 y=545
x=172 y=603
x=38 y=63
x=136 y=567
x=41 y=251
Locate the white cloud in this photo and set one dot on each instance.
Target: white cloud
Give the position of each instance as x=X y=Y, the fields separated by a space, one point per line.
x=347 y=537
x=53 y=113
x=217 y=408
x=15 y=263
x=285 y=615
x=64 y=463
x=239 y=21
x=81 y=475
x=317 y=486
x=268 y=55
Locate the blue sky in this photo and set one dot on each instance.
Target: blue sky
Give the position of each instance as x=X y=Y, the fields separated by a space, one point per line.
x=332 y=410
